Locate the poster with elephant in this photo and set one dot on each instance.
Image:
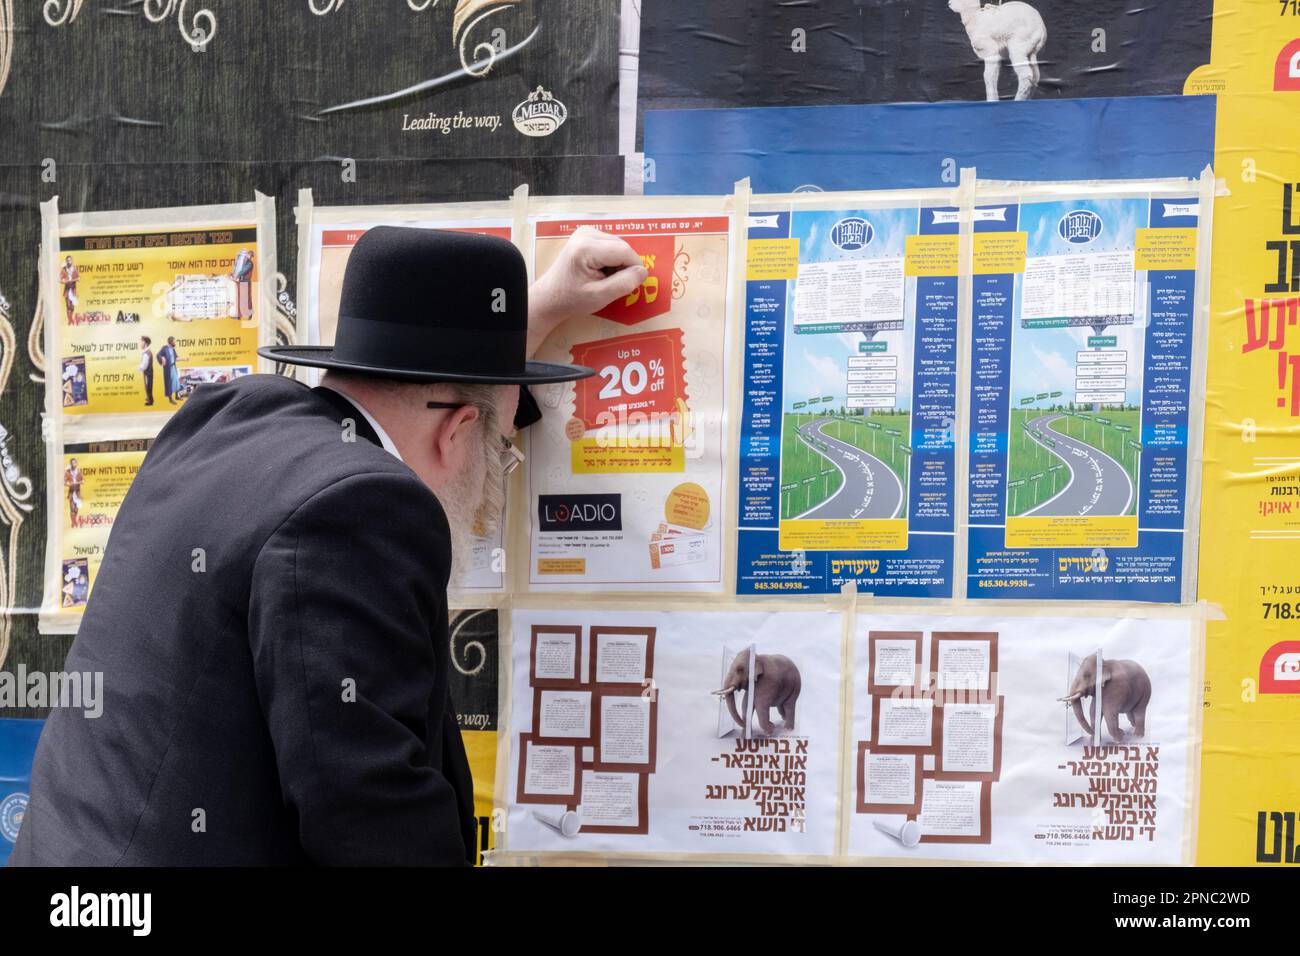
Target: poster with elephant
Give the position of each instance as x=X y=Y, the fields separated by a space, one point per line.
x=1025 y=739
x=674 y=732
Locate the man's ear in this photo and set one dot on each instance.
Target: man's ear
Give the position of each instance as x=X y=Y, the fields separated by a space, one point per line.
x=454 y=432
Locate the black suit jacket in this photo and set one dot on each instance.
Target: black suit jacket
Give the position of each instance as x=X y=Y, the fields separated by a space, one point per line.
x=271 y=623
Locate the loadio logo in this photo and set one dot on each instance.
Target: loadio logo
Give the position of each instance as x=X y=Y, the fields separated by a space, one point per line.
x=1286 y=71
x=1282 y=848
x=580 y=512
x=1079 y=226
x=852 y=234
x=1279 y=669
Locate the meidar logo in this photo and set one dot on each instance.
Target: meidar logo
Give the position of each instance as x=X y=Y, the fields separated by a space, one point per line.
x=852 y=234
x=1079 y=226
x=580 y=512
x=539 y=115
x=1286 y=71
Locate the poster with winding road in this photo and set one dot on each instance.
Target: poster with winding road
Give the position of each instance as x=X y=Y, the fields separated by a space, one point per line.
x=1081 y=385
x=847 y=425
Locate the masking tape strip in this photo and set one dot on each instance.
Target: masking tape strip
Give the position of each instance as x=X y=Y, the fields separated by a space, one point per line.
x=1198 y=389
x=961 y=426
x=304 y=215
x=733 y=400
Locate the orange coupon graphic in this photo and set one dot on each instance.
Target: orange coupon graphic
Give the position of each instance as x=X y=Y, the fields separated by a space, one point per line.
x=638 y=377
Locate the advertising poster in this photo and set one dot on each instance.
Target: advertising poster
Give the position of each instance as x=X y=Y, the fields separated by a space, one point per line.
x=1017 y=739
x=332 y=231
x=327 y=234
x=86 y=488
x=1082 y=399
x=847 y=427
x=810 y=148
x=650 y=732
x=625 y=470
x=475 y=660
x=734 y=53
x=1250 y=537
x=139 y=316
x=451 y=79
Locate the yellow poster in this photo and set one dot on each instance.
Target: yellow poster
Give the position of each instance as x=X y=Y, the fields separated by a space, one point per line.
x=95 y=479
x=1250 y=518
x=145 y=316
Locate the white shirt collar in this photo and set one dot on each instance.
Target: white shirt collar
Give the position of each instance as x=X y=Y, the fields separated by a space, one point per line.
x=387 y=442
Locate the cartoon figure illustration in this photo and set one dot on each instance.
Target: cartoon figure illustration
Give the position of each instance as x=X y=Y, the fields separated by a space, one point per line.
x=68 y=278
x=72 y=480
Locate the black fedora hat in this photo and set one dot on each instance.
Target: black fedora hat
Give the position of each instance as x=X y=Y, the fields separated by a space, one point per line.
x=429 y=305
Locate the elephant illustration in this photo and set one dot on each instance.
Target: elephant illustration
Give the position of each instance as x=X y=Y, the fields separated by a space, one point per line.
x=776 y=684
x=1125 y=689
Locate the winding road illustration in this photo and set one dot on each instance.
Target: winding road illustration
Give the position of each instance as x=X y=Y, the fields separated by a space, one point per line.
x=870 y=488
x=1098 y=485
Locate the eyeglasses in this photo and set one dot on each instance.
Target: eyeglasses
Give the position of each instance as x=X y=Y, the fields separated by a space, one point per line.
x=511 y=456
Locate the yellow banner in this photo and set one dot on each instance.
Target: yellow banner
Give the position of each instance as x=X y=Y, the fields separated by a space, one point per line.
x=1165 y=249
x=595 y=456
x=1072 y=531
x=773 y=259
x=999 y=253
x=816 y=534
x=930 y=256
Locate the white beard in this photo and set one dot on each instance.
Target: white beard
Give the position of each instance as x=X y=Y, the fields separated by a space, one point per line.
x=460 y=500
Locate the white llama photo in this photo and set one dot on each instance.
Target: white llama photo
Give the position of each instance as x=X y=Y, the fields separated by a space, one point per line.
x=1012 y=31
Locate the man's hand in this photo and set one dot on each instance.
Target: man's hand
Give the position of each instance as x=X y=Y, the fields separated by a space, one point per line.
x=593 y=269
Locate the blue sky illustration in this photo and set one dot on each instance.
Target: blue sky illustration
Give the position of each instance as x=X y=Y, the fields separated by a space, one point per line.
x=818 y=364
x=1043 y=360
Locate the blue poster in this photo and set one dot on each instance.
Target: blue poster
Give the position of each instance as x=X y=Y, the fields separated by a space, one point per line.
x=847 y=448
x=1081 y=359
x=17 y=748
x=910 y=145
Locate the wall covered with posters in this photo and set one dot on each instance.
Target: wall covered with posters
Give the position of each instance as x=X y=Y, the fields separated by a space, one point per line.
x=968 y=396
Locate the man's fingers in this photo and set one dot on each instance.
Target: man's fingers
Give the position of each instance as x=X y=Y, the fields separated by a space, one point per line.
x=604 y=252
x=619 y=284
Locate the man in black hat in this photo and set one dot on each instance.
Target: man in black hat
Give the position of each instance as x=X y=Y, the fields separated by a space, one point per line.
x=271 y=613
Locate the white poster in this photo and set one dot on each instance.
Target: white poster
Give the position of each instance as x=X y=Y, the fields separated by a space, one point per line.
x=998 y=751
x=626 y=470
x=679 y=732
